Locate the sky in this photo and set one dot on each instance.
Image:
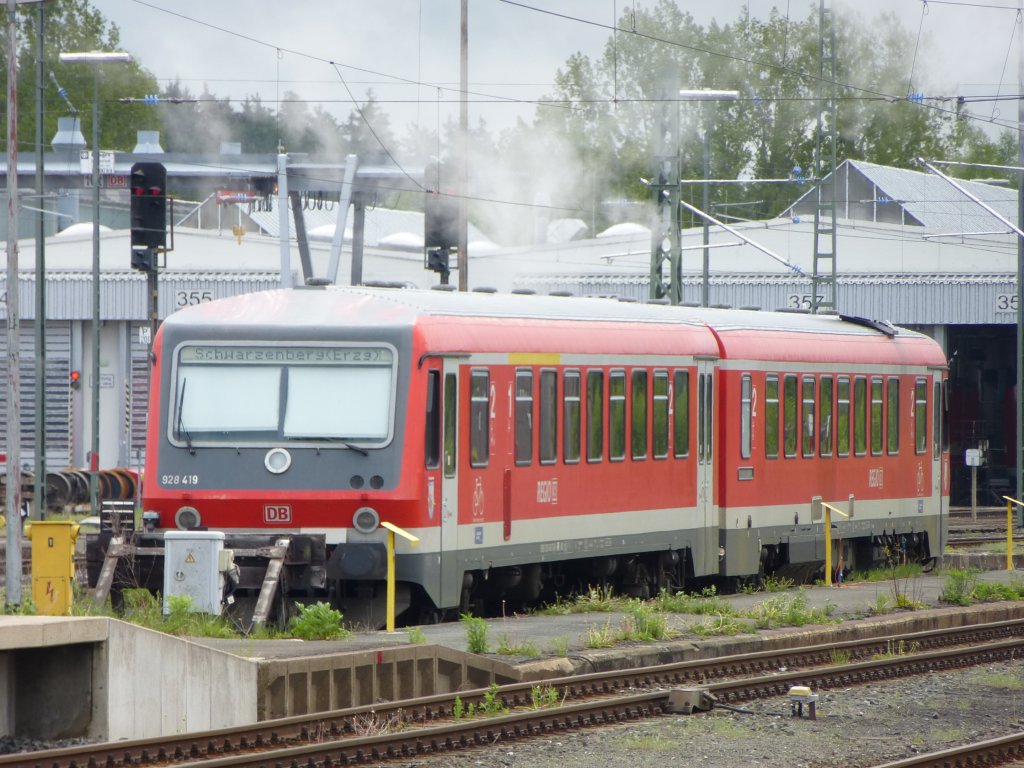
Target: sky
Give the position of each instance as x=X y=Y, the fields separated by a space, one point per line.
x=407 y=51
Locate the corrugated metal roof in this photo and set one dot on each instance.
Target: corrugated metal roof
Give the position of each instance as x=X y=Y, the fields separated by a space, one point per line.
x=864 y=190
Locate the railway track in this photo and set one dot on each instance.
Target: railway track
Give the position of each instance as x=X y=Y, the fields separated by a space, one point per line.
x=1005 y=750
x=427 y=726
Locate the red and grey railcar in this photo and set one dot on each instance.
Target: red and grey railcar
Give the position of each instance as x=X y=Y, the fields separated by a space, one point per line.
x=538 y=444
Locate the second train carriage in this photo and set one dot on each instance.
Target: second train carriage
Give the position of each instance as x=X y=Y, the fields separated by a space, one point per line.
x=538 y=444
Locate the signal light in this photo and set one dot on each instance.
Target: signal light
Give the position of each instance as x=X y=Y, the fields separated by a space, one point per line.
x=149 y=206
x=440 y=221
x=144 y=259
x=76 y=379
x=437 y=260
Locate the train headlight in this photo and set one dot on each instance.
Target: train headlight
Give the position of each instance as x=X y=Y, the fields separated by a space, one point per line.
x=366 y=520
x=277 y=460
x=187 y=518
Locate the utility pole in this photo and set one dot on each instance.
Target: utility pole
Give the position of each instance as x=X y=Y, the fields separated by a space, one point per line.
x=463 y=257
x=665 y=253
x=13 y=393
x=39 y=487
x=1020 y=268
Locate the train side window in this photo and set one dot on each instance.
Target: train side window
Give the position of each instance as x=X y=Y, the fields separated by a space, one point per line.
x=707 y=433
x=876 y=416
x=936 y=421
x=825 y=416
x=843 y=416
x=571 y=417
x=892 y=415
x=479 y=423
x=595 y=415
x=860 y=416
x=617 y=415
x=807 y=415
x=450 y=423
x=681 y=414
x=659 y=436
x=524 y=417
x=638 y=414
x=548 y=427
x=745 y=412
x=432 y=449
x=920 y=416
x=789 y=422
x=771 y=416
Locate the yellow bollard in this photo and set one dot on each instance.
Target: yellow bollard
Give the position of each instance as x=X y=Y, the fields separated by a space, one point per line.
x=1009 y=530
x=820 y=509
x=392 y=530
x=53 y=565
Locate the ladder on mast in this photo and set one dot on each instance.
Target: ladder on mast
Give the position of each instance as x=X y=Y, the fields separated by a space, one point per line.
x=823 y=277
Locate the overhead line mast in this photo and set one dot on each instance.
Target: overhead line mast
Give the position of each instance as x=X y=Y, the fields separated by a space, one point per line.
x=823 y=277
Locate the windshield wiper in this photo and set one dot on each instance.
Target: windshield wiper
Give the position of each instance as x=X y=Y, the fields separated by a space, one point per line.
x=327 y=439
x=180 y=421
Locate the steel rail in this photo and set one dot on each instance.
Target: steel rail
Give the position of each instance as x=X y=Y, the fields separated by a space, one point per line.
x=991 y=752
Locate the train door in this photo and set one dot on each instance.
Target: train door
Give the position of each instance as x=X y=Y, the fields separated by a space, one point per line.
x=940 y=464
x=451 y=575
x=707 y=513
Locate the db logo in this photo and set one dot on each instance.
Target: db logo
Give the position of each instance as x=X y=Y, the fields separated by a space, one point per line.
x=277 y=514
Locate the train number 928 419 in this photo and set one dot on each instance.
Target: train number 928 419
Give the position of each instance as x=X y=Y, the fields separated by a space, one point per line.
x=179 y=479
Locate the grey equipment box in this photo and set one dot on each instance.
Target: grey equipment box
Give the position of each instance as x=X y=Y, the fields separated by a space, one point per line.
x=192 y=568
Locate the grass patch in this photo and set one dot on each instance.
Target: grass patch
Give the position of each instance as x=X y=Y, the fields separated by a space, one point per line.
x=508 y=647
x=723 y=624
x=601 y=599
x=144 y=608
x=476 y=633
x=965 y=587
x=790 y=611
x=546 y=697
x=896 y=650
x=317 y=621
x=839 y=657
x=559 y=646
x=644 y=623
x=600 y=636
x=900 y=571
x=883 y=605
x=417 y=636
x=706 y=603
x=1005 y=682
x=776 y=584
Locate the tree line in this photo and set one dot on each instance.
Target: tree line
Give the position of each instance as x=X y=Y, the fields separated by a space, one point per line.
x=592 y=139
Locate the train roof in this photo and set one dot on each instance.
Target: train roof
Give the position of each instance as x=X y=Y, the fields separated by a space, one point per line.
x=732 y=333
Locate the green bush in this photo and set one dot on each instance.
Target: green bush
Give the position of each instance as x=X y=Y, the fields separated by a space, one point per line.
x=476 y=633
x=317 y=621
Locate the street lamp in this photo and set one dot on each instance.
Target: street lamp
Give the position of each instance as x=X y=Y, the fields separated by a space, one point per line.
x=95 y=58
x=707 y=95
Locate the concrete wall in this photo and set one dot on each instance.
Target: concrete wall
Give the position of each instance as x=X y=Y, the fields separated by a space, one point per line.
x=299 y=686
x=46 y=668
x=157 y=684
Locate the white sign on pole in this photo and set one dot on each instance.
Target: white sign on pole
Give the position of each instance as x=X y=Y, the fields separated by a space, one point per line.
x=85 y=162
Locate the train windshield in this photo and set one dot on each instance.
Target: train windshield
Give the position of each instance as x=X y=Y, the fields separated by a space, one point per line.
x=262 y=393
